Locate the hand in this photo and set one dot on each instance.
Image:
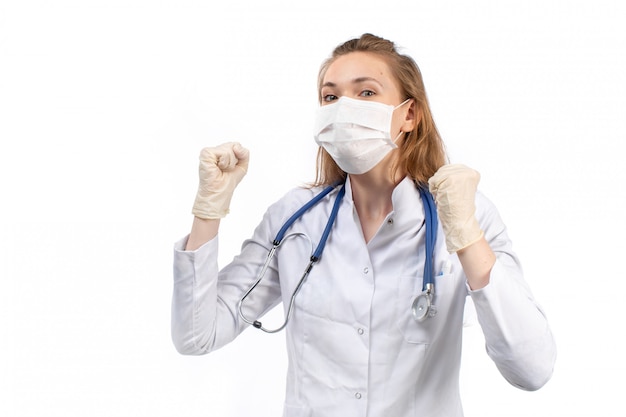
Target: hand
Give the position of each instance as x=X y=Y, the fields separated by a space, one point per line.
x=454 y=189
x=221 y=169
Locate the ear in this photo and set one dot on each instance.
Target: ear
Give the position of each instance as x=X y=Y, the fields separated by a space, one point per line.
x=412 y=118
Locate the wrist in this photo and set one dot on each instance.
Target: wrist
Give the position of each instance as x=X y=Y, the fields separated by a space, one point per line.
x=202 y=230
x=211 y=207
x=461 y=235
x=477 y=260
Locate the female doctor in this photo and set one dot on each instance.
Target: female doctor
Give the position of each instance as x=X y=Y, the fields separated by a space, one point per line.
x=366 y=335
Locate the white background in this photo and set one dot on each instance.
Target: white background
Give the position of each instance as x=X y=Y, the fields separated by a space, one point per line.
x=104 y=106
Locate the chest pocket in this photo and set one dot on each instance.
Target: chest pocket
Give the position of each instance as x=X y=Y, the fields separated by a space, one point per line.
x=447 y=301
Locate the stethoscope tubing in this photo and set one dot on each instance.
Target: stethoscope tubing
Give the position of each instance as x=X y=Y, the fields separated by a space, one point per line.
x=430 y=222
x=317 y=254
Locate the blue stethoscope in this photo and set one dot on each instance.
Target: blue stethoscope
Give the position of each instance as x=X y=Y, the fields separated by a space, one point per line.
x=422 y=307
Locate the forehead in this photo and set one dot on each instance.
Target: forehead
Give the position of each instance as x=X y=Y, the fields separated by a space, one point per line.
x=358 y=64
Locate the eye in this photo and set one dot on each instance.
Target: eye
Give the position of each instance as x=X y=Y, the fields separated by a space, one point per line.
x=367 y=93
x=329 y=97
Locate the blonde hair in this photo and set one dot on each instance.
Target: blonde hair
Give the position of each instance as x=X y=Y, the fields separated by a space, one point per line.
x=422 y=152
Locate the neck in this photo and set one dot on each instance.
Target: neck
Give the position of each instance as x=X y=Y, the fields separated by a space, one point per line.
x=371 y=193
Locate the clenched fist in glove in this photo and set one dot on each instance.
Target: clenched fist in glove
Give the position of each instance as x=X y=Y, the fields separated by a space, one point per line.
x=221 y=169
x=454 y=189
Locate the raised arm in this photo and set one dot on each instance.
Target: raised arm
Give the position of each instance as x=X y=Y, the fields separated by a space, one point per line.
x=195 y=304
x=518 y=338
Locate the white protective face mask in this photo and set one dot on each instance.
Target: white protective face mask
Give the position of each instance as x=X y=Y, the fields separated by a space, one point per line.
x=356 y=133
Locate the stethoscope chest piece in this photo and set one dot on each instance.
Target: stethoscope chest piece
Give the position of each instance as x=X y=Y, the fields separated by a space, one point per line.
x=423 y=306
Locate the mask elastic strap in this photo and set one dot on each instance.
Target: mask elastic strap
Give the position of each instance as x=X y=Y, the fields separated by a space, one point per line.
x=403 y=103
x=398 y=106
x=397 y=137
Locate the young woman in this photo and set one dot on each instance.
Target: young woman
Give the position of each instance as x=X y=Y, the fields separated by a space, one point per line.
x=369 y=330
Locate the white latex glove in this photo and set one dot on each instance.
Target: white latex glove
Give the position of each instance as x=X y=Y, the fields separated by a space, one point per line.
x=221 y=169
x=454 y=189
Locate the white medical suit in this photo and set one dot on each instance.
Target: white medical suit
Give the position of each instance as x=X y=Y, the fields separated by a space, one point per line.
x=354 y=347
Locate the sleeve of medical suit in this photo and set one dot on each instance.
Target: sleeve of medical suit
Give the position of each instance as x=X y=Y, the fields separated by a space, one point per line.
x=205 y=316
x=194 y=298
x=518 y=337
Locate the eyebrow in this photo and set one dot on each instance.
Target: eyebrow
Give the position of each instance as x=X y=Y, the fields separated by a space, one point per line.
x=358 y=80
